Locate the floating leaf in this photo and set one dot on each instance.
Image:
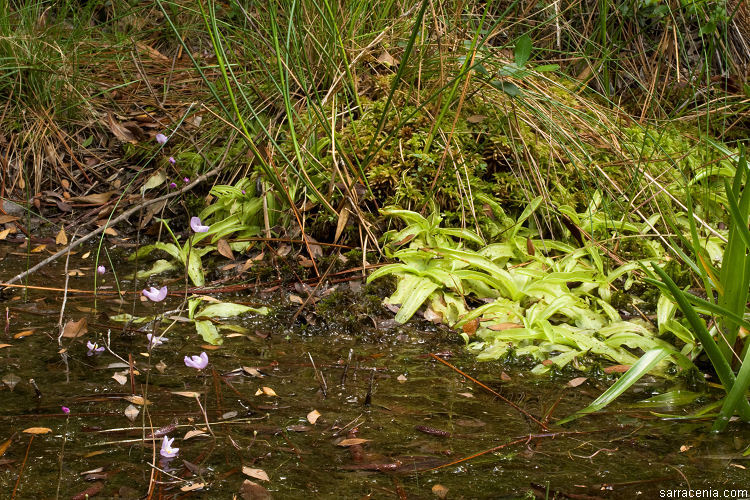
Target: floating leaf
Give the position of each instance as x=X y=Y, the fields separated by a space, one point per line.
x=23 y=334
x=61 y=238
x=37 y=430
x=193 y=487
x=187 y=394
x=132 y=412
x=5 y=345
x=352 y=441
x=440 y=491
x=577 y=381
x=208 y=331
x=159 y=266
x=313 y=416
x=120 y=378
x=253 y=491
x=194 y=433
x=4 y=447
x=137 y=400
x=74 y=329
x=253 y=372
x=11 y=380
x=255 y=473
x=228 y=310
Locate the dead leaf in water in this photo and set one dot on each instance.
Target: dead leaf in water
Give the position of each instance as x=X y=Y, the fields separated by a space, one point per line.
x=4 y=447
x=187 y=394
x=37 y=430
x=120 y=378
x=11 y=380
x=352 y=442
x=5 y=345
x=577 y=381
x=61 y=238
x=193 y=433
x=137 y=400
x=255 y=473
x=73 y=329
x=23 y=334
x=132 y=412
x=267 y=391
x=4 y=233
x=253 y=491
x=440 y=491
x=193 y=487
x=253 y=372
x=313 y=416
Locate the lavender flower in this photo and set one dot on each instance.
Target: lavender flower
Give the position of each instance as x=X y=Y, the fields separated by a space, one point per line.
x=65 y=410
x=161 y=139
x=101 y=269
x=186 y=180
x=172 y=161
x=155 y=341
x=156 y=295
x=197 y=362
x=93 y=348
x=166 y=448
x=197 y=226
x=173 y=185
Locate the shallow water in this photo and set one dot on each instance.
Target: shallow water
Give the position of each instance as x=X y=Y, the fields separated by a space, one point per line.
x=417 y=414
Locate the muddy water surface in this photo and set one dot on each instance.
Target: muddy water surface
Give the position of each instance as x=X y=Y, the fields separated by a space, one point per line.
x=394 y=422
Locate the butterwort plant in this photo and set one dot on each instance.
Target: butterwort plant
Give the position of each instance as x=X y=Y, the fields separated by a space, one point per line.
x=185 y=253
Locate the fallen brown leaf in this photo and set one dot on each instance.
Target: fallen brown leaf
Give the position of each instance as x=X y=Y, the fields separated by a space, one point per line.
x=253 y=491
x=255 y=473
x=37 y=430
x=74 y=329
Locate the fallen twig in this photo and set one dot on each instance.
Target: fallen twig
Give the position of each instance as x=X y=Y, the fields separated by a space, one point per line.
x=483 y=386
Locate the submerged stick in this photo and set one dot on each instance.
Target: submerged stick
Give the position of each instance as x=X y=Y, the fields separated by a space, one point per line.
x=127 y=213
x=483 y=386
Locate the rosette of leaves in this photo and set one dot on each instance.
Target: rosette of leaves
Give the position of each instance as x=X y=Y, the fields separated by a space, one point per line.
x=206 y=314
x=544 y=299
x=187 y=254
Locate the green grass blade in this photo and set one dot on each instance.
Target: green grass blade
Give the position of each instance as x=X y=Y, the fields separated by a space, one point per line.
x=638 y=370
x=720 y=364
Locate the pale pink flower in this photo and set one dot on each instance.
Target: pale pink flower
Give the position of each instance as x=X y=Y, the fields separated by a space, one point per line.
x=166 y=448
x=197 y=226
x=101 y=269
x=156 y=295
x=155 y=341
x=65 y=410
x=172 y=161
x=161 y=139
x=197 y=362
